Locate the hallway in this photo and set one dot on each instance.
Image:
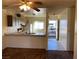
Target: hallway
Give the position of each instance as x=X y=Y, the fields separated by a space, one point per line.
x=53 y=44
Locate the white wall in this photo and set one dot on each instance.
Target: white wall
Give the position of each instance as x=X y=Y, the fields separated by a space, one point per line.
x=75 y=44
x=63 y=29
x=40 y=19
x=62 y=16
x=22 y=41
x=66 y=35
x=63 y=34
x=16 y=25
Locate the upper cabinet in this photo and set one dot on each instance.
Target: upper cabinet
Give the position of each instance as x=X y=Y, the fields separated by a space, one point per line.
x=9 y=21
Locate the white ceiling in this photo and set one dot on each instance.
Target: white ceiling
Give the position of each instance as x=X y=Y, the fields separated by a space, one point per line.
x=46 y=3
x=55 y=6
x=29 y=13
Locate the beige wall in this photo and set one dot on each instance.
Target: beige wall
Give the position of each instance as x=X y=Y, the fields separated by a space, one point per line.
x=4 y=25
x=71 y=27
x=75 y=38
x=4 y=22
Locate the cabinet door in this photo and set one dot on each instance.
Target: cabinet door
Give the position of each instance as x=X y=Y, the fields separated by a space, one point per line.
x=9 y=20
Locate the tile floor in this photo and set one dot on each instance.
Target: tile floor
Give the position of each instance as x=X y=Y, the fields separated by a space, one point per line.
x=53 y=44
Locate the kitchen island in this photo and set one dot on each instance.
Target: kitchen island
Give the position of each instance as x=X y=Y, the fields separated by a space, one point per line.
x=22 y=40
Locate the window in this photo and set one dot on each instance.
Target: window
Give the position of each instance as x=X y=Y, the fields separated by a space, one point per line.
x=38 y=25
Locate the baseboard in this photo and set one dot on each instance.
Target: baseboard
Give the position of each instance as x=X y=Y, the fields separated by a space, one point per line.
x=51 y=51
x=23 y=48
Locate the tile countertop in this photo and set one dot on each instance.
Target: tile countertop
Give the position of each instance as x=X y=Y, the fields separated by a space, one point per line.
x=25 y=34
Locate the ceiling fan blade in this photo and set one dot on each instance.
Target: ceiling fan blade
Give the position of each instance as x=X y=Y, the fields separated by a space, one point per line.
x=18 y=4
x=38 y=2
x=36 y=9
x=23 y=1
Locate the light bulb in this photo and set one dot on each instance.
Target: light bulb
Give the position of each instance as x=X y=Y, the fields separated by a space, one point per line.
x=28 y=7
x=24 y=7
x=29 y=3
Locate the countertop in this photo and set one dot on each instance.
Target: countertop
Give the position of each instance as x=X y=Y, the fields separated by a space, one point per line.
x=25 y=34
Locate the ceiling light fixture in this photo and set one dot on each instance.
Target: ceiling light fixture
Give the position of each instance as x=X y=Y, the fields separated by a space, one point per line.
x=29 y=3
x=24 y=7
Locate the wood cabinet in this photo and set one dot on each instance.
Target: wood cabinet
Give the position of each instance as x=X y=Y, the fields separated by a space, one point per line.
x=9 y=20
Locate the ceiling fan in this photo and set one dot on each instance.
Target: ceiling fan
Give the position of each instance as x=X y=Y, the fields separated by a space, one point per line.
x=24 y=4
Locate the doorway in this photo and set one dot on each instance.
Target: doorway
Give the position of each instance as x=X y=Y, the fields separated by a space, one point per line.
x=53 y=35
